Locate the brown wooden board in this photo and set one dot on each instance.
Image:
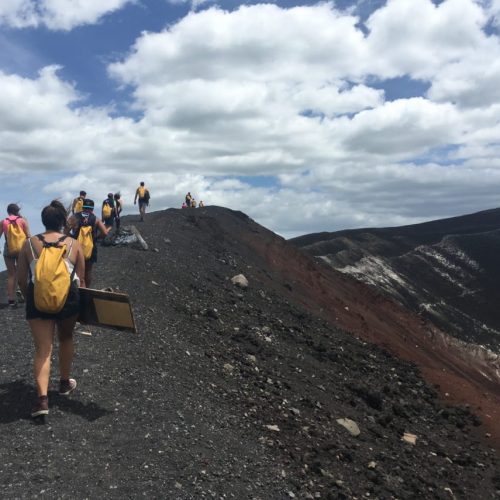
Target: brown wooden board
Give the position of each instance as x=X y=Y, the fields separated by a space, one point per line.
x=107 y=309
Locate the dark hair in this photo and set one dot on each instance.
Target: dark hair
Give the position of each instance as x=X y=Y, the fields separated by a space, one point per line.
x=117 y=196
x=83 y=193
x=13 y=209
x=142 y=183
x=54 y=216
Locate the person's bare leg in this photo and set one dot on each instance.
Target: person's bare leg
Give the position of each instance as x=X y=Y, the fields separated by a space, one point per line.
x=88 y=273
x=11 y=278
x=66 y=348
x=42 y=331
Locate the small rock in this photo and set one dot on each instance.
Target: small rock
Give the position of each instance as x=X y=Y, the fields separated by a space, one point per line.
x=409 y=438
x=154 y=283
x=273 y=428
x=295 y=411
x=228 y=368
x=251 y=359
x=372 y=465
x=178 y=485
x=350 y=425
x=156 y=250
x=239 y=280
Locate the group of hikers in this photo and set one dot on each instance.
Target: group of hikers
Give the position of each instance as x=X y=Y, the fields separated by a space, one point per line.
x=190 y=202
x=49 y=268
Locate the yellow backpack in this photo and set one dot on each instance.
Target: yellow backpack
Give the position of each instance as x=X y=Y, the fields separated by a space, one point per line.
x=78 y=206
x=106 y=211
x=85 y=234
x=141 y=191
x=15 y=237
x=52 y=279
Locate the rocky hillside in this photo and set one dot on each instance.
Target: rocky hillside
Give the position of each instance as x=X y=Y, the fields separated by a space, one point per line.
x=235 y=391
x=447 y=270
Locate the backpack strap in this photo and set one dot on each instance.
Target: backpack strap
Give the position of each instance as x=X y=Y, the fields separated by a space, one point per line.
x=56 y=244
x=48 y=244
x=32 y=250
x=70 y=247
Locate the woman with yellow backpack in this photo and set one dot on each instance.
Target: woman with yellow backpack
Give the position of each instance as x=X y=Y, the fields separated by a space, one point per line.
x=51 y=268
x=16 y=230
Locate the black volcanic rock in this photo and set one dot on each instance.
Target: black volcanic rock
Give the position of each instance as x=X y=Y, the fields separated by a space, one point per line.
x=228 y=393
x=447 y=270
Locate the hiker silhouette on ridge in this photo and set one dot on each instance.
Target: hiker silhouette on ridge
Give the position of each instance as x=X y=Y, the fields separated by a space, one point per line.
x=108 y=211
x=142 y=195
x=43 y=325
x=118 y=209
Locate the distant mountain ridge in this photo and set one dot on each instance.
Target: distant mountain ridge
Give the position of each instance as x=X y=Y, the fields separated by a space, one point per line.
x=447 y=270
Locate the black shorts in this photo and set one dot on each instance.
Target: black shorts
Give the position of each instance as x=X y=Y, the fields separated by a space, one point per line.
x=71 y=307
x=6 y=252
x=109 y=222
x=143 y=203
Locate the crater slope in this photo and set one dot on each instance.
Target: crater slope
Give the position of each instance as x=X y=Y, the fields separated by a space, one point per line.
x=446 y=270
x=232 y=392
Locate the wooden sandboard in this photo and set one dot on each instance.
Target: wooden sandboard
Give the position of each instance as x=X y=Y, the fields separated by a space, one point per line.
x=108 y=309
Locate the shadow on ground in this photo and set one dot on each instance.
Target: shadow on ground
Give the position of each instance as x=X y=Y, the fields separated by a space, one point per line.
x=17 y=396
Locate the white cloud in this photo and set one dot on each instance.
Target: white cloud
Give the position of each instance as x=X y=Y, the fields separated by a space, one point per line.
x=417 y=37
x=284 y=94
x=56 y=14
x=18 y=13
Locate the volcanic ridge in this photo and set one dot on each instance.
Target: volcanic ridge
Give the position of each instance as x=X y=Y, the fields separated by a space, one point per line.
x=265 y=390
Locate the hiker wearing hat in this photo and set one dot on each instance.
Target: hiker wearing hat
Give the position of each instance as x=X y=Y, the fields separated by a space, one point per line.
x=108 y=211
x=77 y=205
x=51 y=268
x=15 y=228
x=85 y=227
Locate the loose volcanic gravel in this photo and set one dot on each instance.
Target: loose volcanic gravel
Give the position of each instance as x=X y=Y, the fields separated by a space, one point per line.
x=226 y=392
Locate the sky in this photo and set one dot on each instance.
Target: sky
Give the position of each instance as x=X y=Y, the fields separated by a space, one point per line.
x=306 y=116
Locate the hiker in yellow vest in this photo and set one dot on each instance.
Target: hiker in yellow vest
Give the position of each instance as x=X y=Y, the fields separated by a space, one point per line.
x=142 y=195
x=16 y=230
x=77 y=205
x=36 y=272
x=86 y=227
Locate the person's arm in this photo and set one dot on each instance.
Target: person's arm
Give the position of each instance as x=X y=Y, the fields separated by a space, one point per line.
x=23 y=268
x=26 y=228
x=71 y=224
x=80 y=264
x=73 y=205
x=101 y=227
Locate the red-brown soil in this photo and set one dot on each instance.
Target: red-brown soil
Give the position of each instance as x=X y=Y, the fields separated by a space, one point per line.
x=357 y=308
